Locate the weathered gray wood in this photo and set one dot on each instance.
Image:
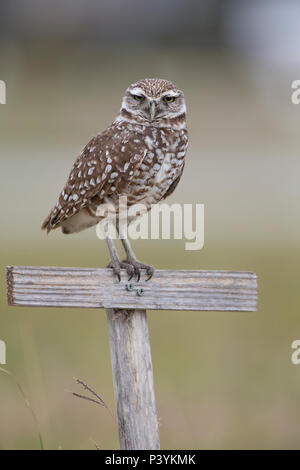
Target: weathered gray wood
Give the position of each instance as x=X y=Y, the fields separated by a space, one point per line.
x=133 y=380
x=129 y=338
x=98 y=288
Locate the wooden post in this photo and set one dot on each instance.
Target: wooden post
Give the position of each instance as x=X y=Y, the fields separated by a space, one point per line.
x=133 y=379
x=129 y=338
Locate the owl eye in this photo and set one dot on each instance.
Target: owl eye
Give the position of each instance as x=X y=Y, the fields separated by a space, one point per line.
x=138 y=97
x=169 y=99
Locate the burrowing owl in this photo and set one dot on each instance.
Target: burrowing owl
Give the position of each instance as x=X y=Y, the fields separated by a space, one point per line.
x=141 y=155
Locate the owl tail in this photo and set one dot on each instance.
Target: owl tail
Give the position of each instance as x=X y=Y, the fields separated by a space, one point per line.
x=46 y=225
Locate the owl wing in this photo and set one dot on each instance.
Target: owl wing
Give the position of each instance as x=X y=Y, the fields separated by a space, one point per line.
x=173 y=185
x=105 y=166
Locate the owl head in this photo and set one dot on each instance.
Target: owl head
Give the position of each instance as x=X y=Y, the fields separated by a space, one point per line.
x=153 y=99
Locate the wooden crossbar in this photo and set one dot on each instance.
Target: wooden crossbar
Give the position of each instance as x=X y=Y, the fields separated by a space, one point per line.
x=98 y=288
x=128 y=333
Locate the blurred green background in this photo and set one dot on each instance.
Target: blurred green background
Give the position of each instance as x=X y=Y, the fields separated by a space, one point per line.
x=222 y=380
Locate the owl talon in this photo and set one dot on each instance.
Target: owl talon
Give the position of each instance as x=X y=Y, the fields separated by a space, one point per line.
x=129 y=269
x=150 y=271
x=138 y=275
x=150 y=275
x=115 y=265
x=134 y=268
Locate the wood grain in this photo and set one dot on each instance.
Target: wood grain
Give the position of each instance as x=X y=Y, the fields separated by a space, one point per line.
x=98 y=288
x=128 y=335
x=133 y=380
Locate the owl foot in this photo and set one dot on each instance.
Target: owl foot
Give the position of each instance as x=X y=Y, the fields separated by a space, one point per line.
x=136 y=267
x=117 y=265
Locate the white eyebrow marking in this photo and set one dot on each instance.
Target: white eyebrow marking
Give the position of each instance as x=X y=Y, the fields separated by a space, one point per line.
x=137 y=91
x=171 y=93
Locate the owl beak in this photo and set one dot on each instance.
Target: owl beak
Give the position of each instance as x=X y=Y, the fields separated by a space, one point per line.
x=152 y=110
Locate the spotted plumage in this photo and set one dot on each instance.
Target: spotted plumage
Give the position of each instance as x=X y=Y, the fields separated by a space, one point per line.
x=140 y=155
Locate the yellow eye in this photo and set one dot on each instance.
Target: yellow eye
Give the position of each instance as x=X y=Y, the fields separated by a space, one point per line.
x=169 y=99
x=138 y=97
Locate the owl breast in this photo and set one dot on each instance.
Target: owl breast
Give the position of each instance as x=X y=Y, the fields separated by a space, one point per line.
x=162 y=165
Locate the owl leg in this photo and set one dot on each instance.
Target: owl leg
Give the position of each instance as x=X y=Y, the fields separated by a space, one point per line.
x=132 y=261
x=115 y=264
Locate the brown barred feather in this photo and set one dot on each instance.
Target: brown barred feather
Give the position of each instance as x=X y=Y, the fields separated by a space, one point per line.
x=134 y=156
